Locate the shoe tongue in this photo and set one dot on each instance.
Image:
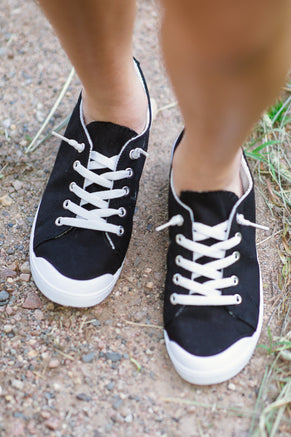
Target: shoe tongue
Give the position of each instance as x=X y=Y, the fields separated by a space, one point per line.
x=109 y=138
x=210 y=207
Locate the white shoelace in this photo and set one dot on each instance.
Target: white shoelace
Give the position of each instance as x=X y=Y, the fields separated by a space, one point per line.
x=208 y=292
x=96 y=219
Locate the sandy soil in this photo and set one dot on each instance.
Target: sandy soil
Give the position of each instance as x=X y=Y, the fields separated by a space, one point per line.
x=104 y=370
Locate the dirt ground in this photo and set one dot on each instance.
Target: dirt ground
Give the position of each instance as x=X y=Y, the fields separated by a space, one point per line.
x=103 y=370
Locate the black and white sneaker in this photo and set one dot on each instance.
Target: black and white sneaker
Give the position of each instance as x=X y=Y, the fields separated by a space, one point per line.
x=213 y=306
x=83 y=226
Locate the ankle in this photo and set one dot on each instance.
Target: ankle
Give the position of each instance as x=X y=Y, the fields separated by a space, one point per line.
x=205 y=175
x=124 y=104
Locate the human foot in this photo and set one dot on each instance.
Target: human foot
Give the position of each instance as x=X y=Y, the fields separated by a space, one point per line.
x=213 y=305
x=83 y=225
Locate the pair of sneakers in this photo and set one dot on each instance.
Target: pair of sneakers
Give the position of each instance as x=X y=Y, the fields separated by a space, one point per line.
x=82 y=229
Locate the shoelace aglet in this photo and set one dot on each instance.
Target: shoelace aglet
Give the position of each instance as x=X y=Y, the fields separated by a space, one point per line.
x=78 y=146
x=242 y=221
x=135 y=153
x=176 y=220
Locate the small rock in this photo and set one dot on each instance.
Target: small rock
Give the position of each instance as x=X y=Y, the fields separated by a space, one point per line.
x=231 y=386
x=9 y=310
x=128 y=418
x=16 y=383
x=50 y=306
x=83 y=397
x=17 y=185
x=25 y=267
x=32 y=302
x=54 y=363
x=7 y=273
x=88 y=358
x=148 y=270
x=25 y=277
x=8 y=328
x=149 y=285
x=6 y=200
x=139 y=316
x=113 y=356
x=117 y=404
x=6 y=123
x=4 y=297
x=45 y=414
x=52 y=423
x=38 y=314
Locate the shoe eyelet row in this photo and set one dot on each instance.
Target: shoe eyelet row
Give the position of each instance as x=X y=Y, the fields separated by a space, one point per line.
x=238 y=298
x=122 y=212
x=178 y=260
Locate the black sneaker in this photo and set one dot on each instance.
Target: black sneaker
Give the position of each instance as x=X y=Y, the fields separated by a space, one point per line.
x=213 y=306
x=83 y=225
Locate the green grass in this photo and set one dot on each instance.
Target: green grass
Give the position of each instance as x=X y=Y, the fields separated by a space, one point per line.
x=270 y=150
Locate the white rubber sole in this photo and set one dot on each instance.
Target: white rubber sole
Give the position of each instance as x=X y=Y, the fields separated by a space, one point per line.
x=216 y=368
x=66 y=291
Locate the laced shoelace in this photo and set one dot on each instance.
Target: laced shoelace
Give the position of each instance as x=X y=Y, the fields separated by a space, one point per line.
x=96 y=218
x=208 y=292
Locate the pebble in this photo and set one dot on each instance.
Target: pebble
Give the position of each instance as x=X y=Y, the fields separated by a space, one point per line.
x=17 y=185
x=231 y=386
x=88 y=358
x=139 y=316
x=25 y=267
x=38 y=314
x=32 y=302
x=6 y=200
x=113 y=356
x=16 y=383
x=52 y=423
x=83 y=397
x=8 y=328
x=54 y=363
x=25 y=277
x=149 y=285
x=4 y=297
x=128 y=418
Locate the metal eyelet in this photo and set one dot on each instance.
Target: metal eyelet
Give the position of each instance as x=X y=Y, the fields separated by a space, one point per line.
x=81 y=148
x=176 y=278
x=235 y=280
x=179 y=238
x=58 y=221
x=178 y=260
x=126 y=191
x=238 y=298
x=134 y=154
x=72 y=186
x=173 y=299
x=238 y=235
x=130 y=172
x=122 y=212
x=66 y=204
x=76 y=165
x=236 y=255
x=120 y=231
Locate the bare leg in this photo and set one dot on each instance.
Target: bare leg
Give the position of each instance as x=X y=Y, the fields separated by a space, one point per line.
x=97 y=36
x=227 y=61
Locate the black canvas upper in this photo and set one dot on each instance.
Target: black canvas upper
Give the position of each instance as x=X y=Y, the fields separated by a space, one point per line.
x=208 y=330
x=82 y=253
